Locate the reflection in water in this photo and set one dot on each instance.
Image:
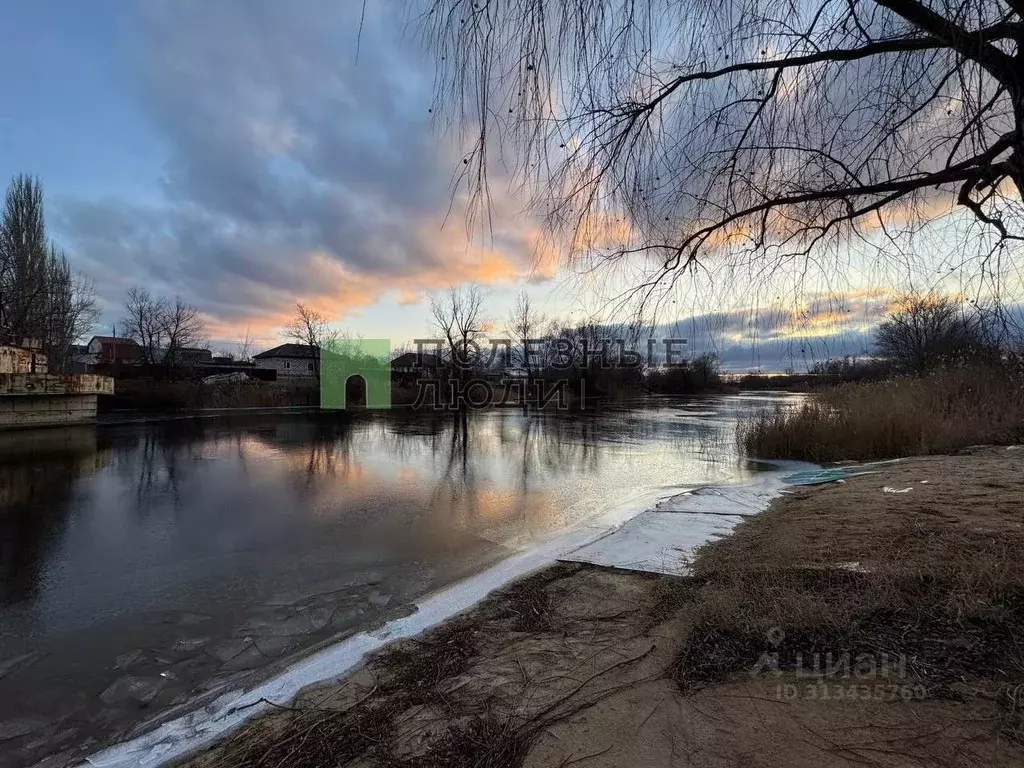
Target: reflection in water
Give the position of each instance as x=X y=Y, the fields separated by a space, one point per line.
x=35 y=499
x=176 y=556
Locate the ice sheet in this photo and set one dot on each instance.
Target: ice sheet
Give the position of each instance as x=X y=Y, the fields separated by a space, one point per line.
x=199 y=728
x=663 y=539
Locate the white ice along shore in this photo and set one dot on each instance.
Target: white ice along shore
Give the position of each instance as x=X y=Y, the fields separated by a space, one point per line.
x=659 y=540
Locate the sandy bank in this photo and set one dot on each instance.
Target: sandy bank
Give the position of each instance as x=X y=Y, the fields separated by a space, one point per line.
x=848 y=625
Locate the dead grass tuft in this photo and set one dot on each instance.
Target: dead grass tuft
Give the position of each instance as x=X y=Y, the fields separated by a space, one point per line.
x=668 y=596
x=528 y=602
x=485 y=741
x=313 y=737
x=415 y=671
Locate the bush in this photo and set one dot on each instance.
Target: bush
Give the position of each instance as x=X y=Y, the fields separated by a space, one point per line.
x=925 y=331
x=697 y=375
x=161 y=396
x=941 y=412
x=844 y=369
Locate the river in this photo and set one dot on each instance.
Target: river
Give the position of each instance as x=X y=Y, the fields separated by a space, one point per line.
x=145 y=566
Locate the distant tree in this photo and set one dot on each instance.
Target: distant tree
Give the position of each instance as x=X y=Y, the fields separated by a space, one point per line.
x=927 y=330
x=70 y=309
x=707 y=371
x=183 y=327
x=23 y=260
x=312 y=329
x=243 y=348
x=687 y=377
x=144 y=322
x=523 y=328
x=458 y=317
x=849 y=368
x=41 y=298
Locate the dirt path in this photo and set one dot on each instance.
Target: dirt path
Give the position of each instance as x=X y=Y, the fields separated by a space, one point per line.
x=846 y=626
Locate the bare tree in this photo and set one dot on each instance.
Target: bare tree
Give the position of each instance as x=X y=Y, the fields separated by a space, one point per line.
x=70 y=309
x=524 y=329
x=144 y=322
x=312 y=329
x=23 y=261
x=927 y=330
x=183 y=327
x=41 y=298
x=458 y=317
x=243 y=348
x=754 y=133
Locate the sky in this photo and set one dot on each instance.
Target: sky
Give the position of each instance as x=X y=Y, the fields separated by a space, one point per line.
x=239 y=154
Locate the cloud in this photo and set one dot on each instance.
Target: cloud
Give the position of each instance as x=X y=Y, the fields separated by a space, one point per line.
x=776 y=337
x=294 y=171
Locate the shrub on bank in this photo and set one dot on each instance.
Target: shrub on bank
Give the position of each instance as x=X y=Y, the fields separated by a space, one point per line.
x=941 y=412
x=153 y=395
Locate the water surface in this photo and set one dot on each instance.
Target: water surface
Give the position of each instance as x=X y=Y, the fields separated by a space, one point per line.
x=142 y=566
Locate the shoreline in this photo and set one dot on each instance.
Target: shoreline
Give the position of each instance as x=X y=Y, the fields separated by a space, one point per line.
x=173 y=740
x=598 y=666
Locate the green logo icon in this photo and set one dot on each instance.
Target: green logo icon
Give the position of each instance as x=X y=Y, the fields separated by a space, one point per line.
x=343 y=363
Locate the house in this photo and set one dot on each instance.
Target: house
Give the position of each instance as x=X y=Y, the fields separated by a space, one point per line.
x=78 y=359
x=291 y=361
x=113 y=350
x=425 y=364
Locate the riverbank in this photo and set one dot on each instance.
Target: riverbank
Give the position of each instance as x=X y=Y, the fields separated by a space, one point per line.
x=909 y=598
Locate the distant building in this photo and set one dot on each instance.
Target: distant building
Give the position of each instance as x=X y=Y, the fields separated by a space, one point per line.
x=414 y=363
x=113 y=350
x=291 y=361
x=78 y=359
x=192 y=356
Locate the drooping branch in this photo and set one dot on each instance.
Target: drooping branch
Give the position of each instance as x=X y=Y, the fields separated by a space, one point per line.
x=708 y=131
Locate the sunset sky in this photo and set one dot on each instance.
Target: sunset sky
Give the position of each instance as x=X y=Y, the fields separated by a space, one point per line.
x=237 y=152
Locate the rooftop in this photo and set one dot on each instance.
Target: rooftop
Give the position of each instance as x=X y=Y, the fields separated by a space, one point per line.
x=303 y=351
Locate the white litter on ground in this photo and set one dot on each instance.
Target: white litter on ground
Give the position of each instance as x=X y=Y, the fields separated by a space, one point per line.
x=889 y=489
x=855 y=567
x=657 y=540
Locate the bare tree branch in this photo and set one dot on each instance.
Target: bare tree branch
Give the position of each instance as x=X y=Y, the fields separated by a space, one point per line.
x=681 y=134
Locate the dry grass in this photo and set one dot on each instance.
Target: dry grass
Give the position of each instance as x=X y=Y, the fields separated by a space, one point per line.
x=940 y=413
x=935 y=632
x=933 y=576
x=528 y=602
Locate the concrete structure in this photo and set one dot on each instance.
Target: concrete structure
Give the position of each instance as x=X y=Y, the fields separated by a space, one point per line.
x=31 y=397
x=291 y=361
x=22 y=360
